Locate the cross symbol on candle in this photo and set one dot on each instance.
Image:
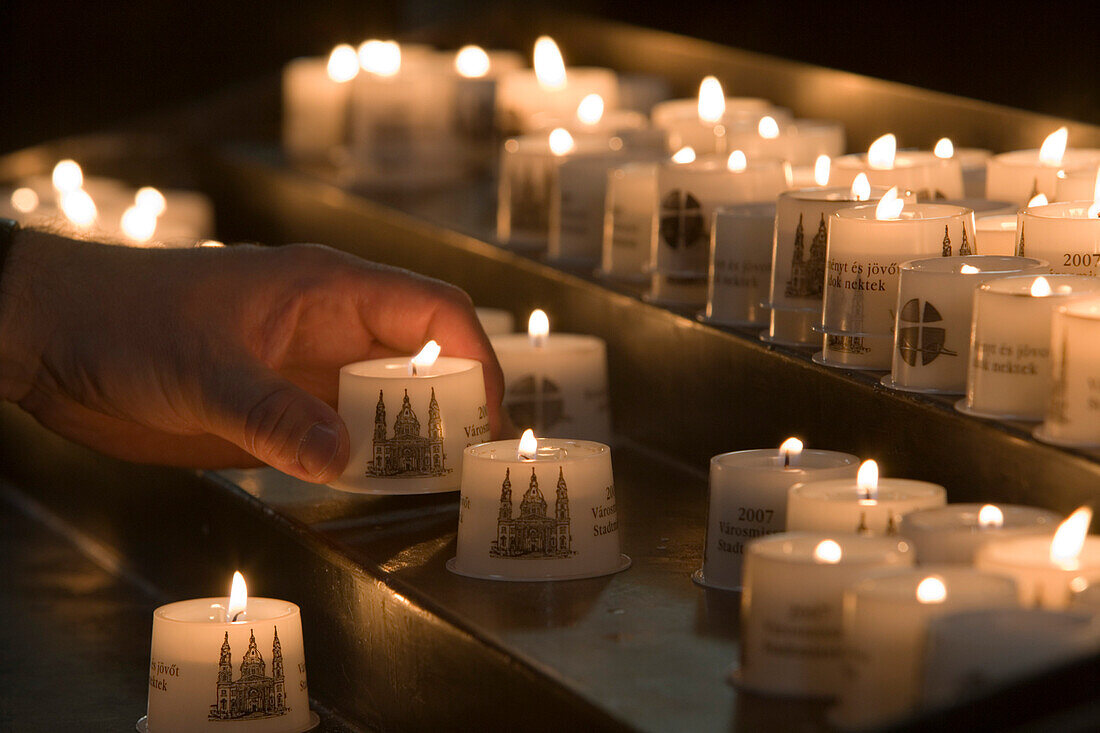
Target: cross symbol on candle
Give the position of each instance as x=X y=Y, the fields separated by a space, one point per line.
x=682 y=223
x=921 y=339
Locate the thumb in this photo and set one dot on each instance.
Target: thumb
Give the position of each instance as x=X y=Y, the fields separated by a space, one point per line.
x=276 y=421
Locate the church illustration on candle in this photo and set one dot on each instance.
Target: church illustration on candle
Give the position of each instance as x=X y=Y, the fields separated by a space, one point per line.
x=807 y=278
x=253 y=695
x=407 y=454
x=533 y=534
x=964 y=246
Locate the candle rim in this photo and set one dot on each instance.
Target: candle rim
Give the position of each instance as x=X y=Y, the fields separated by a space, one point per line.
x=556 y=340
x=993 y=551
x=291 y=609
x=956 y=261
x=939 y=212
x=904 y=158
x=900 y=584
x=731 y=459
x=1072 y=310
x=716 y=163
x=810 y=489
x=1085 y=157
x=349 y=370
x=999 y=286
x=747 y=209
x=507 y=451
x=1061 y=211
x=845 y=194
x=923 y=518
x=890 y=549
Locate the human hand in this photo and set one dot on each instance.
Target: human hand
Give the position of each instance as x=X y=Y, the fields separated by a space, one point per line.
x=213 y=357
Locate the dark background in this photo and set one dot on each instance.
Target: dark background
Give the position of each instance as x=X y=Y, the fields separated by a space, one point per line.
x=80 y=66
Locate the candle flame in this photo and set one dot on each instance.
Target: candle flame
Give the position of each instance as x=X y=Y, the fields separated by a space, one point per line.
x=590 y=110
x=867 y=480
x=150 y=200
x=382 y=58
x=528 y=445
x=471 y=62
x=538 y=327
x=238 y=597
x=931 y=590
x=861 y=187
x=889 y=206
x=712 y=100
x=561 y=142
x=343 y=63
x=768 y=128
x=881 y=154
x=944 y=148
x=1069 y=539
x=684 y=155
x=828 y=552
x=549 y=65
x=1094 y=210
x=1054 y=147
x=138 y=224
x=990 y=516
x=424 y=360
x=211 y=243
x=24 y=200
x=969 y=269
x=67 y=176
x=1039 y=199
x=737 y=161
x=1040 y=287
x=791 y=450
x=78 y=207
x=822 y=168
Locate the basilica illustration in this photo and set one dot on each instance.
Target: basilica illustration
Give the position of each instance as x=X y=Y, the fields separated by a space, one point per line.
x=407 y=454
x=254 y=695
x=807 y=278
x=533 y=534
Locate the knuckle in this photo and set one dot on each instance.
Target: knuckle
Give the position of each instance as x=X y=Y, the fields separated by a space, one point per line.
x=267 y=420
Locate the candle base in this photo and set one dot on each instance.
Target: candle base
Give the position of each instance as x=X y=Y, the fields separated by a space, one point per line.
x=700 y=580
x=421 y=489
x=1042 y=434
x=711 y=321
x=623 y=277
x=624 y=563
x=819 y=358
x=888 y=382
x=773 y=341
x=964 y=407
x=737 y=679
x=142 y=726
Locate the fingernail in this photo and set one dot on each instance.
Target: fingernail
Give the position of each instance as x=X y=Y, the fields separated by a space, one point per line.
x=318 y=448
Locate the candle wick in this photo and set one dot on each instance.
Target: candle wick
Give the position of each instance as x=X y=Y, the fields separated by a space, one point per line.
x=236 y=616
x=786 y=459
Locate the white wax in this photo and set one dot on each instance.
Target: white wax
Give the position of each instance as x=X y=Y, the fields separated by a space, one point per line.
x=740 y=264
x=553 y=517
x=921 y=172
x=315 y=110
x=748 y=499
x=629 y=218
x=973 y=162
x=260 y=689
x=496 y=321
x=996 y=234
x=885 y=624
x=1040 y=581
x=791 y=608
x=680 y=117
x=520 y=96
x=1073 y=409
x=1078 y=184
x=1063 y=234
x=934 y=311
x=1020 y=175
x=798 y=258
x=577 y=208
x=1010 y=374
x=408 y=432
x=811 y=138
x=839 y=505
x=952 y=534
x=559 y=388
x=1085 y=596
x=862 y=269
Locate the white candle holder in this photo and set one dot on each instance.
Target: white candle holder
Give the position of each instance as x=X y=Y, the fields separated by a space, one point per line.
x=680 y=118
x=561 y=523
x=885 y=623
x=841 y=505
x=1078 y=184
x=952 y=534
x=196 y=684
x=791 y=608
x=748 y=499
x=1042 y=582
x=1020 y=175
x=408 y=431
x=522 y=98
x=996 y=234
x=577 y=208
x=1009 y=377
x=799 y=250
x=934 y=312
x=1063 y=234
x=630 y=215
x=740 y=265
x=920 y=172
x=811 y=138
x=1073 y=408
x=973 y=162
x=862 y=272
x=315 y=110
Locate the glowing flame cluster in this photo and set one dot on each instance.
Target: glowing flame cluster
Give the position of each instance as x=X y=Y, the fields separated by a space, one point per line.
x=1094 y=209
x=139 y=222
x=471 y=62
x=890 y=205
x=422 y=363
x=881 y=154
x=538 y=328
x=1069 y=539
x=867 y=481
x=684 y=155
x=1040 y=287
x=944 y=149
x=24 y=200
x=931 y=590
x=990 y=516
x=528 y=446
x=737 y=162
x=969 y=269
x=828 y=552
x=1054 y=147
x=768 y=128
x=549 y=65
x=712 y=100
x=381 y=58
x=791 y=451
x=561 y=142
x=861 y=188
x=343 y=64
x=822 y=168
x=590 y=110
x=238 y=598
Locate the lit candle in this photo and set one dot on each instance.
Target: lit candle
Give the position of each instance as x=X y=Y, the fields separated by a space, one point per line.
x=1073 y=408
x=866 y=505
x=688 y=194
x=315 y=99
x=562 y=523
x=791 y=608
x=996 y=234
x=1078 y=184
x=798 y=257
x=865 y=248
x=496 y=321
x=972 y=162
x=748 y=499
x=885 y=623
x=1067 y=235
x=740 y=264
x=953 y=533
x=1045 y=569
x=477 y=74
x=631 y=128
x=408 y=420
x=701 y=123
x=811 y=139
x=1009 y=375
x=1021 y=174
x=556 y=382
x=628 y=222
x=194 y=684
x=934 y=312
x=927 y=175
